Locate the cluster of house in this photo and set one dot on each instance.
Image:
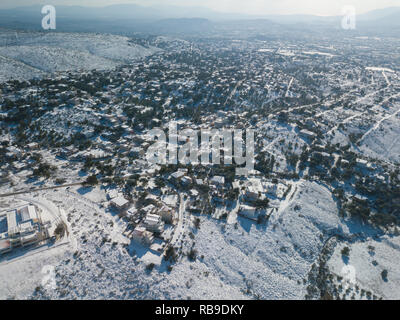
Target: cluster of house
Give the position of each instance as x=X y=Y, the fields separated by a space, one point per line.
x=253 y=190
x=21 y=227
x=150 y=220
x=181 y=177
x=16 y=154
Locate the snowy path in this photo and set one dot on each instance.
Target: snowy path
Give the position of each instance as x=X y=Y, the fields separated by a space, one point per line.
x=341 y=99
x=180 y=228
x=290 y=84
x=40 y=189
x=378 y=124
x=386 y=78
x=285 y=203
x=233 y=92
x=344 y=121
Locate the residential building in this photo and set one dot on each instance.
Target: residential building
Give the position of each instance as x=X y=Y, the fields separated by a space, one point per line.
x=141 y=235
x=120 y=203
x=153 y=223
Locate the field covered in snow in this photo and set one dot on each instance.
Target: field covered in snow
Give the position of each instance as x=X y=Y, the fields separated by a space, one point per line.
x=24 y=55
x=382 y=141
x=369 y=259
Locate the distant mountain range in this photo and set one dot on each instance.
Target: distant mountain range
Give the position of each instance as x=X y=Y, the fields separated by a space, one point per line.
x=170 y=19
x=380 y=14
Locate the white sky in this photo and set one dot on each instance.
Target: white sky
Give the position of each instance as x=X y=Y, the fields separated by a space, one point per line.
x=316 y=7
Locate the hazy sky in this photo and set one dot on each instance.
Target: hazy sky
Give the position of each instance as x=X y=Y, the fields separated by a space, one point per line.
x=316 y=7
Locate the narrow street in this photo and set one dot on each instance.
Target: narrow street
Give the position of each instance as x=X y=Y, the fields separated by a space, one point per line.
x=183 y=220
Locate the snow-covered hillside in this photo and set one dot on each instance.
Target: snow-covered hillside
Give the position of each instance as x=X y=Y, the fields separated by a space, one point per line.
x=369 y=260
x=32 y=54
x=383 y=140
x=12 y=69
x=241 y=260
x=52 y=59
x=267 y=262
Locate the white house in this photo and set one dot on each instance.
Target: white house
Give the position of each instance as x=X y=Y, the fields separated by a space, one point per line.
x=131 y=212
x=120 y=203
x=308 y=134
x=153 y=223
x=176 y=176
x=141 y=235
x=112 y=194
x=166 y=214
x=19 y=227
x=186 y=180
x=248 y=212
x=218 y=181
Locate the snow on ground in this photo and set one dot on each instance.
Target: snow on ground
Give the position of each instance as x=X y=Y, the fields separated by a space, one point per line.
x=21 y=275
x=267 y=262
x=319 y=53
x=52 y=59
x=59 y=120
x=379 y=69
x=33 y=54
x=94 y=194
x=384 y=142
x=11 y=69
x=24 y=269
x=198 y=281
x=369 y=259
x=107 y=46
x=241 y=261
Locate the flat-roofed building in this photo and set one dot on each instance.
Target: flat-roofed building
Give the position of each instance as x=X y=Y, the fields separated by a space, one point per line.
x=141 y=235
x=218 y=181
x=12 y=223
x=28 y=213
x=153 y=223
x=166 y=214
x=120 y=203
x=248 y=212
x=20 y=227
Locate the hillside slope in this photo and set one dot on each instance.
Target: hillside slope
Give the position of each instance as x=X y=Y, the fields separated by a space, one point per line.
x=25 y=55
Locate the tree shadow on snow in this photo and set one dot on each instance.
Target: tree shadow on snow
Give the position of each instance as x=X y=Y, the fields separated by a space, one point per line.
x=84 y=190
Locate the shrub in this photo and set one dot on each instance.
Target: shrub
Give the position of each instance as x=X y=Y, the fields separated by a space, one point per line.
x=170 y=254
x=92 y=180
x=197 y=223
x=345 y=251
x=192 y=255
x=150 y=267
x=60 y=230
x=384 y=275
x=60 y=181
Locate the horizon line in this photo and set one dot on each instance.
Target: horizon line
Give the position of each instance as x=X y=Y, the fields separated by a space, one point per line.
x=262 y=15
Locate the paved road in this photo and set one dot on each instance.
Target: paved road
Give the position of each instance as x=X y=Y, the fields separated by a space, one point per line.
x=40 y=189
x=180 y=226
